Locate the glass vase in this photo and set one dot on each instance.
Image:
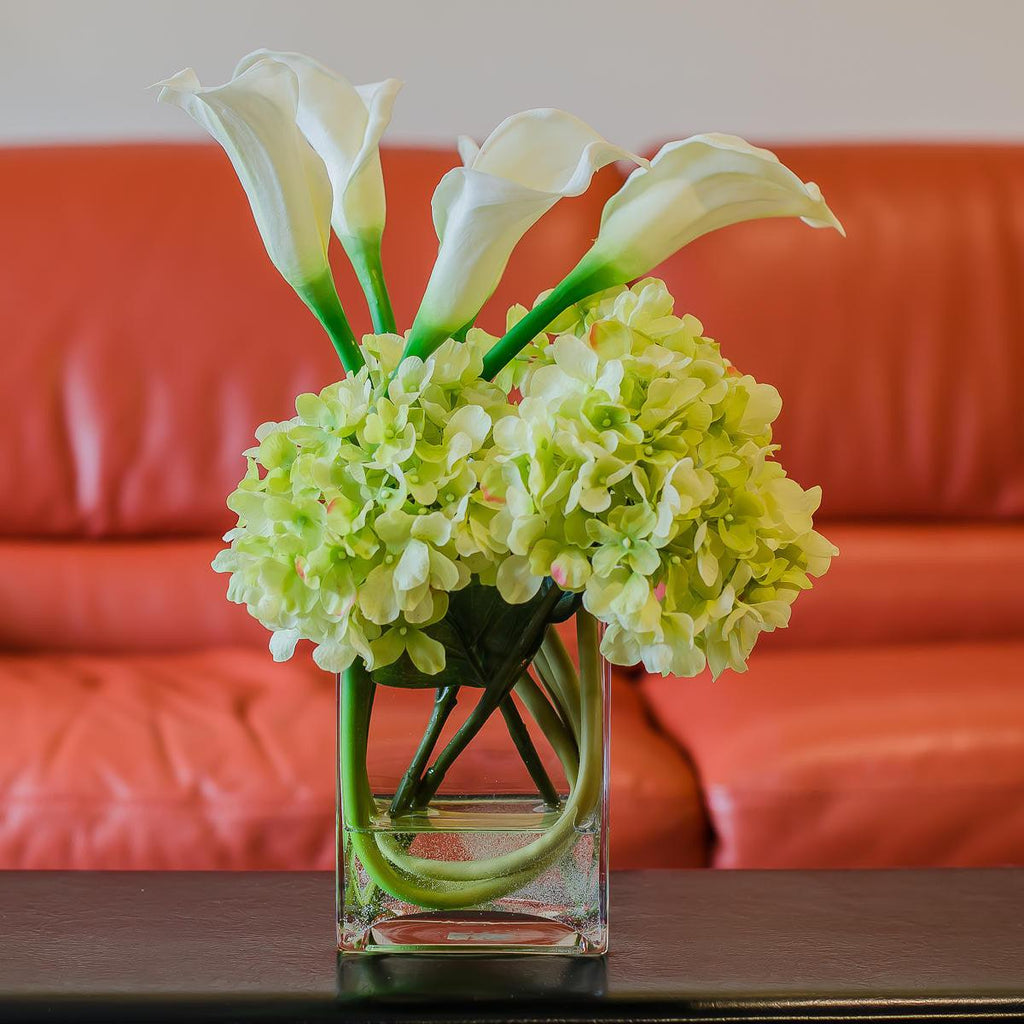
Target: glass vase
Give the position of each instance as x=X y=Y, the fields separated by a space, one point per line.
x=472 y=807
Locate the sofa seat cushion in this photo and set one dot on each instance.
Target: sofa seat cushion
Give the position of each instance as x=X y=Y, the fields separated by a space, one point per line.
x=915 y=582
x=890 y=583
x=118 y=597
x=882 y=757
x=222 y=759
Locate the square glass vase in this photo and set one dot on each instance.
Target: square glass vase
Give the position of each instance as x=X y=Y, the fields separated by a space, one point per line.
x=474 y=820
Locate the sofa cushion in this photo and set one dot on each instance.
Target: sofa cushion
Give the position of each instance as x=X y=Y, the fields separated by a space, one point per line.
x=897 y=349
x=147 y=334
x=118 y=596
x=899 y=583
x=881 y=757
x=892 y=583
x=222 y=759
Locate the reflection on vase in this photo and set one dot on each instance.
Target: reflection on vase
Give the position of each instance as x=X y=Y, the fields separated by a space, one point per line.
x=543 y=981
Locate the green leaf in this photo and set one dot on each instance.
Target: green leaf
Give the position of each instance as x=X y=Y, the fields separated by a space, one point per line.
x=479 y=633
x=568 y=605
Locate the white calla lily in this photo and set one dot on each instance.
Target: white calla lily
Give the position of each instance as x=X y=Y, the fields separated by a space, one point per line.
x=254 y=118
x=344 y=123
x=689 y=188
x=692 y=187
x=482 y=210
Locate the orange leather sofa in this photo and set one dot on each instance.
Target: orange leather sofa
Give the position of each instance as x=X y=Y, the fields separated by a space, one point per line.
x=145 y=335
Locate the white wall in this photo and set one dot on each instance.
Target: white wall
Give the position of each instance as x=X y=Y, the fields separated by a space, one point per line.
x=638 y=69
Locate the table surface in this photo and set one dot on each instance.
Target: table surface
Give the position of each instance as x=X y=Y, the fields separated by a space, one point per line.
x=686 y=945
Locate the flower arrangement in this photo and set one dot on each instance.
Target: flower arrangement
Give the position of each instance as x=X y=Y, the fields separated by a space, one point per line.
x=427 y=519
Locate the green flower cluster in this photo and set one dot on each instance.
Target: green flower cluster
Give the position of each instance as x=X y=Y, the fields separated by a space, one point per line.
x=359 y=516
x=639 y=472
x=636 y=469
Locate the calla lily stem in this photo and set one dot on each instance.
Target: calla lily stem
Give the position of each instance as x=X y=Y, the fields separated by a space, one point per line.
x=559 y=678
x=444 y=703
x=322 y=298
x=572 y=289
x=528 y=752
x=365 y=257
x=552 y=724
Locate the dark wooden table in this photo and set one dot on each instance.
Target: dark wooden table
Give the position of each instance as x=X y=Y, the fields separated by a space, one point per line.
x=686 y=946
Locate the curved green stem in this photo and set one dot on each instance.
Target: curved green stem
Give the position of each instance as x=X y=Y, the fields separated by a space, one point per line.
x=561 y=675
x=550 y=721
x=322 y=298
x=444 y=703
x=355 y=696
x=356 y=702
x=528 y=752
x=364 y=254
x=572 y=289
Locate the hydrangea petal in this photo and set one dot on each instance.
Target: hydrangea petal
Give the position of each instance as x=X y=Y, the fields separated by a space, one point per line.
x=515 y=582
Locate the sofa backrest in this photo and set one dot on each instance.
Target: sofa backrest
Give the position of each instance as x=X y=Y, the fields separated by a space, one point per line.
x=146 y=334
x=899 y=350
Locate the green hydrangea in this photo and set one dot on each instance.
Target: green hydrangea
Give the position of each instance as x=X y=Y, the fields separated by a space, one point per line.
x=620 y=455
x=638 y=471
x=360 y=515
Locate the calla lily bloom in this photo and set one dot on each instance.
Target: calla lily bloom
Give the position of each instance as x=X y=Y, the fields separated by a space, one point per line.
x=690 y=188
x=482 y=210
x=253 y=118
x=344 y=124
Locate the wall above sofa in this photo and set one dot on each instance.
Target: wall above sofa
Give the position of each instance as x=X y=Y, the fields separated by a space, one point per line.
x=644 y=70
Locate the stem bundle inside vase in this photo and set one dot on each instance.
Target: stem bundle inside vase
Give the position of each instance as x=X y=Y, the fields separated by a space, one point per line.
x=563 y=697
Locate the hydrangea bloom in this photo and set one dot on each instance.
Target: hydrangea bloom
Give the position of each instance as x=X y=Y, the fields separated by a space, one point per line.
x=361 y=514
x=636 y=469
